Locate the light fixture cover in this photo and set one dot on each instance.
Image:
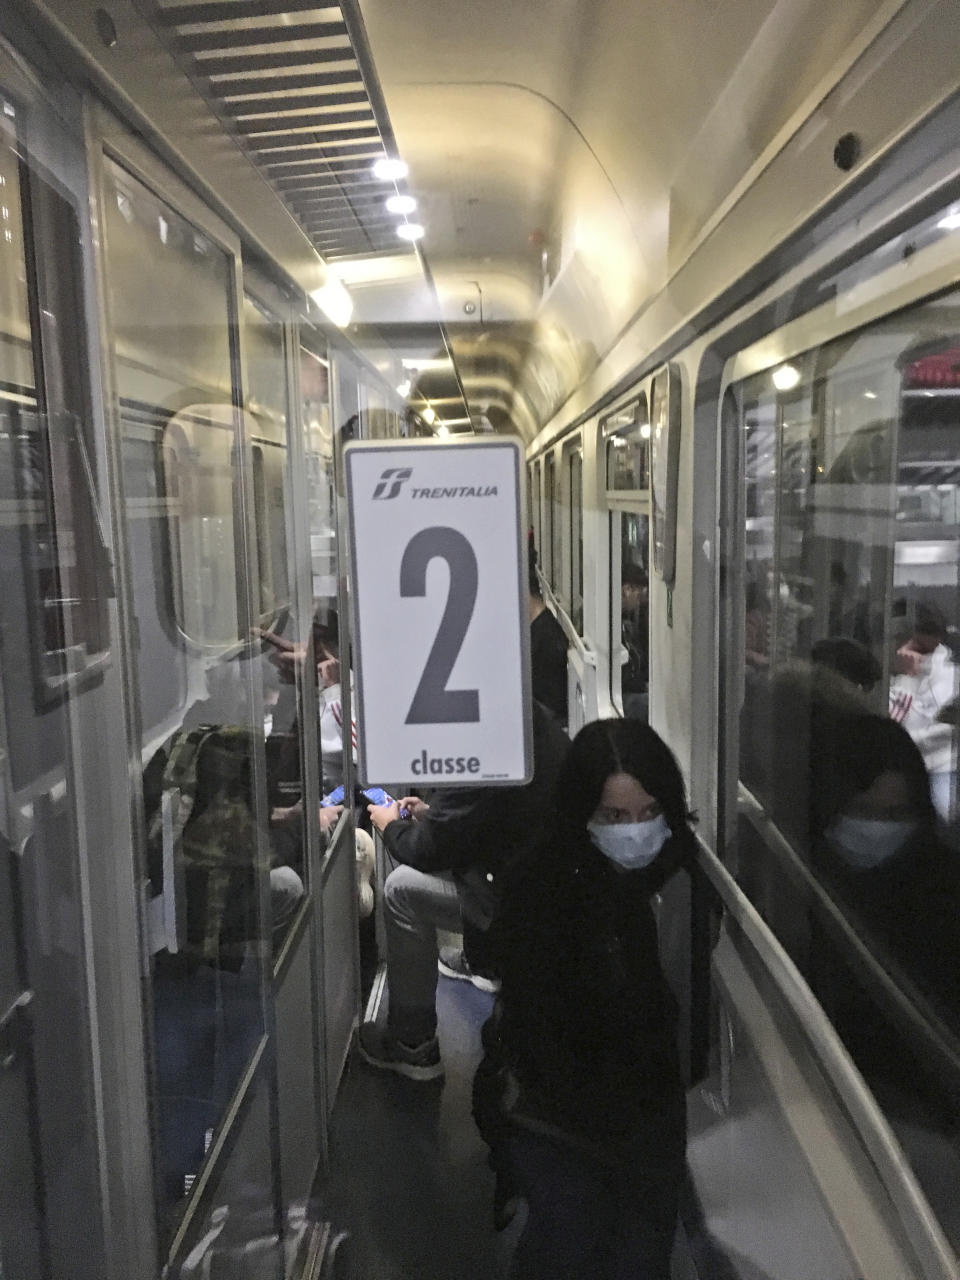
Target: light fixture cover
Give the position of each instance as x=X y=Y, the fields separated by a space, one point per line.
x=389 y=169
x=786 y=377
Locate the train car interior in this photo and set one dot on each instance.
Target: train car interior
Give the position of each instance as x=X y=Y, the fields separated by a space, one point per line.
x=702 y=260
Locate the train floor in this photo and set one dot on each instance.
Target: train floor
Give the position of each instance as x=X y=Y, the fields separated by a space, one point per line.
x=408 y=1175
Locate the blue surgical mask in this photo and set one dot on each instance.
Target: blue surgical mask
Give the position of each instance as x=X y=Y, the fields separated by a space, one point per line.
x=865 y=843
x=630 y=845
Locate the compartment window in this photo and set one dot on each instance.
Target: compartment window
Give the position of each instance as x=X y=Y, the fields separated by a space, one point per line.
x=575 y=483
x=628 y=448
x=537 y=511
x=629 y=613
x=553 y=525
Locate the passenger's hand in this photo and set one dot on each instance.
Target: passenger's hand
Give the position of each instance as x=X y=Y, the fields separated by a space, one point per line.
x=415 y=807
x=328 y=671
x=912 y=662
x=289 y=813
x=329 y=817
x=284 y=654
x=381 y=815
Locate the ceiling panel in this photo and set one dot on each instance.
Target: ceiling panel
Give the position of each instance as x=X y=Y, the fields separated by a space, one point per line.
x=283 y=78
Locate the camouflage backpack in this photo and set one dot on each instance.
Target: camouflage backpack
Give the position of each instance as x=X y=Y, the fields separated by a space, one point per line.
x=205 y=818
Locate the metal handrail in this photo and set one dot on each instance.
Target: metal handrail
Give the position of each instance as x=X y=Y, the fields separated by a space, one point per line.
x=921 y=1227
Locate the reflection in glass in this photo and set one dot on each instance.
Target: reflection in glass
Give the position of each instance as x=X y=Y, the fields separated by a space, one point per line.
x=55 y=582
x=628 y=448
x=322 y=495
x=199 y=677
x=575 y=465
x=537 y=522
x=554 y=525
x=848 y=725
x=630 y=611
x=285 y=669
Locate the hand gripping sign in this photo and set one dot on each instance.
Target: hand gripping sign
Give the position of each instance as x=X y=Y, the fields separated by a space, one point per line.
x=441 y=620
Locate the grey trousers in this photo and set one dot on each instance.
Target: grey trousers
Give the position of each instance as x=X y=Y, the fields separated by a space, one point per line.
x=416 y=905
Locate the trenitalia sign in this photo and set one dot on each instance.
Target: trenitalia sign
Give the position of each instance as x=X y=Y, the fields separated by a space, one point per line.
x=441 y=621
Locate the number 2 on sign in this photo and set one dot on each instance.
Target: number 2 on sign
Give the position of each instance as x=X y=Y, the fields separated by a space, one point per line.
x=433 y=702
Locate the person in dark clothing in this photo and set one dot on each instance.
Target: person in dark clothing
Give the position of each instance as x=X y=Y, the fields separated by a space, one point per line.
x=877 y=850
x=452 y=854
x=585 y=1030
x=635 y=628
x=548 y=654
x=850 y=659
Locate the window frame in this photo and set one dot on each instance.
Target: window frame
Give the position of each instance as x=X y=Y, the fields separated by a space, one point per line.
x=618 y=425
x=572 y=459
x=551 y=505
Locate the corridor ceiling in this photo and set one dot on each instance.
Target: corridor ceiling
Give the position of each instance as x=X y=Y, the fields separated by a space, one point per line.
x=565 y=157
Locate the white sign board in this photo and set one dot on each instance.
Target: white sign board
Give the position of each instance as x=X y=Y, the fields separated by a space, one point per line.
x=441 y=615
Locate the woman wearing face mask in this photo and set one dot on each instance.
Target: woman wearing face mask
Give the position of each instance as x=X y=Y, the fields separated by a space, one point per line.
x=587 y=1024
x=881 y=857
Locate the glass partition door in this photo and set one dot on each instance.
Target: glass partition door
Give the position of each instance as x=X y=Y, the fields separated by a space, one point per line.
x=202 y=590
x=58 y=801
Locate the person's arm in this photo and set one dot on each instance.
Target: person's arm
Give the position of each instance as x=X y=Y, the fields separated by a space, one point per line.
x=445 y=838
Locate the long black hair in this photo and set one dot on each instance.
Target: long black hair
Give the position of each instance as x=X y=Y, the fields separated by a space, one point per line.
x=606 y=747
x=849 y=753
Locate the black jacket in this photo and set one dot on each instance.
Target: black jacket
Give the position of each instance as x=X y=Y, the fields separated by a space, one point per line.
x=588 y=1023
x=548 y=664
x=485 y=827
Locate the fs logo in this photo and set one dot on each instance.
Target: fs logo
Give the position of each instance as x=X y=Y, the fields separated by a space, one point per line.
x=392 y=479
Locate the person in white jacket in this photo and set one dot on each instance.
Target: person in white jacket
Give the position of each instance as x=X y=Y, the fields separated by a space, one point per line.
x=330 y=711
x=927 y=682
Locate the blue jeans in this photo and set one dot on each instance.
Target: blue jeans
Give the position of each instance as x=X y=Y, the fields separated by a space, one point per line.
x=416 y=904
x=588 y=1221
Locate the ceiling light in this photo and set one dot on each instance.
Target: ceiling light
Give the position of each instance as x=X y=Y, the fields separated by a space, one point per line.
x=427 y=364
x=429 y=415
x=334 y=301
x=645 y=431
x=456 y=422
x=388 y=169
x=410 y=231
x=869 y=395
x=443 y=429
x=786 y=377
x=401 y=204
x=951 y=222
x=403 y=388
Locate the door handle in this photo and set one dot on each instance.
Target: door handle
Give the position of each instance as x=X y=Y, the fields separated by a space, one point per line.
x=13 y=1031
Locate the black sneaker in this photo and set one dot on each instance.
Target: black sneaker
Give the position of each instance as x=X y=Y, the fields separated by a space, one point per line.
x=381 y=1049
x=453 y=964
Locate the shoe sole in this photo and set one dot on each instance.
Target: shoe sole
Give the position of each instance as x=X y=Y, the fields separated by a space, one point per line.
x=409 y=1070
x=490 y=985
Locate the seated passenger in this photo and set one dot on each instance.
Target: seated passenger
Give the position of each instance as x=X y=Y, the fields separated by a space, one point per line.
x=587 y=1028
x=925 y=685
x=452 y=854
x=330 y=711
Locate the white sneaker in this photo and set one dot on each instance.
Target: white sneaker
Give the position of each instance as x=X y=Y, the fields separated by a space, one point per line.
x=452 y=963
